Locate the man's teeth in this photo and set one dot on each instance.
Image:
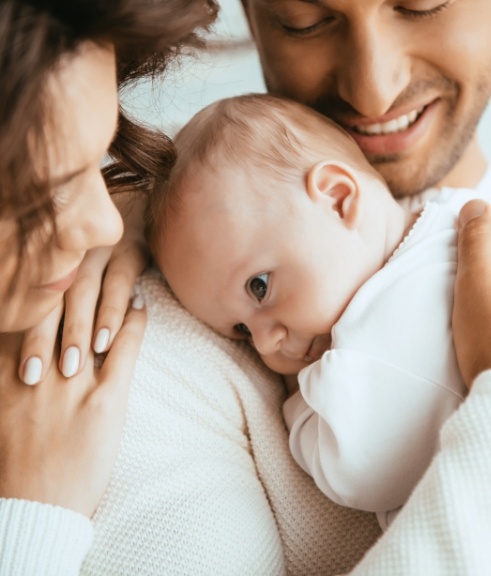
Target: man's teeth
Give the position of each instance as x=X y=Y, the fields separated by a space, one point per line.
x=390 y=127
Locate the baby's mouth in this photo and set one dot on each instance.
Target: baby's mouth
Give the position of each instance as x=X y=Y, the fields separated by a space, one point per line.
x=320 y=344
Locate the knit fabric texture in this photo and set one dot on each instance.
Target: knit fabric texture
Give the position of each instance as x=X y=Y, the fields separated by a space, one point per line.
x=204 y=483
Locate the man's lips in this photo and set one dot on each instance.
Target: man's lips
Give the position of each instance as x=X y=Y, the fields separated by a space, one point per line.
x=388 y=126
x=394 y=133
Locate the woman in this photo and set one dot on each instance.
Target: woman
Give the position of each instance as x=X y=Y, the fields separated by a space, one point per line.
x=203 y=481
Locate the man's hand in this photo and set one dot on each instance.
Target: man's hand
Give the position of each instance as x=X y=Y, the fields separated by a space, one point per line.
x=472 y=307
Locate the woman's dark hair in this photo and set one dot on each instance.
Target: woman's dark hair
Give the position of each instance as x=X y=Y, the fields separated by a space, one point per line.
x=34 y=36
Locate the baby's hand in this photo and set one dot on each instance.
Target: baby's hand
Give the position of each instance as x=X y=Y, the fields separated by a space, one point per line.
x=291 y=383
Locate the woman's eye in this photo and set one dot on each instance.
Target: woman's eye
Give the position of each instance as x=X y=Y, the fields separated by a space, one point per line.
x=243 y=330
x=258 y=286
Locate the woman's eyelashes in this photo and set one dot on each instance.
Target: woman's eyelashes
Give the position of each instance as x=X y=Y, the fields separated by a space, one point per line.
x=257 y=286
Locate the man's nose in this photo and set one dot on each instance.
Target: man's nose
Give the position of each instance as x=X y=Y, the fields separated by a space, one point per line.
x=373 y=68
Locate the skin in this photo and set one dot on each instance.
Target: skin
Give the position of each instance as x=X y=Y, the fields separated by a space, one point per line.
x=84 y=101
x=289 y=266
x=372 y=61
x=59 y=441
x=471 y=316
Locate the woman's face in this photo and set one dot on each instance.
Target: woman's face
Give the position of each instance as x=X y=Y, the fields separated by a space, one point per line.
x=83 y=104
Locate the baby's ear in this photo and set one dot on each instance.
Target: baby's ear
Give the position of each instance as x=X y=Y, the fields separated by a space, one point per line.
x=335 y=182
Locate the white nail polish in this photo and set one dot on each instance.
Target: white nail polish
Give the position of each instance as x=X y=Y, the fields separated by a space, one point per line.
x=71 y=361
x=138 y=303
x=32 y=370
x=102 y=340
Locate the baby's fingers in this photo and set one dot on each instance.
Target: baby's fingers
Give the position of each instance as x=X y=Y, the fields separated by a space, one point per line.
x=37 y=348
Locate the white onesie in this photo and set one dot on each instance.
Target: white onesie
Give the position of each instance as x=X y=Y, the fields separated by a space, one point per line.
x=366 y=422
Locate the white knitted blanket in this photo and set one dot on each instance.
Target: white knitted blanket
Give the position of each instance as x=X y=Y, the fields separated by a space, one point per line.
x=204 y=483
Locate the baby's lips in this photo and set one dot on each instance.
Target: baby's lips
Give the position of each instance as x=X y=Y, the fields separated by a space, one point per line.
x=319 y=345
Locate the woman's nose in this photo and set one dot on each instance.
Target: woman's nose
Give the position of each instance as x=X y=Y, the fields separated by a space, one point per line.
x=93 y=222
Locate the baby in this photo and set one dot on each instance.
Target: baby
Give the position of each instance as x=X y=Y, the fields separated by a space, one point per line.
x=274 y=228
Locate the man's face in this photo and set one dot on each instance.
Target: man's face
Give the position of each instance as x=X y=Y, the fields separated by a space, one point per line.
x=409 y=79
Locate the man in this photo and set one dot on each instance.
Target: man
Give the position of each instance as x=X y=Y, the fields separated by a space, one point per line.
x=409 y=80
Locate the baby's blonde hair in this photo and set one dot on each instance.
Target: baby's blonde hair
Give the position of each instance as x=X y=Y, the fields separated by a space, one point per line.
x=254 y=132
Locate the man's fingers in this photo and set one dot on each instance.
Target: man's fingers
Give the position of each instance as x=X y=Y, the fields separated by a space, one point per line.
x=472 y=306
x=37 y=348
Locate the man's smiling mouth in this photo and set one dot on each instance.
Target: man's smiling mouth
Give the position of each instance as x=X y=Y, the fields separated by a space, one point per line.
x=393 y=126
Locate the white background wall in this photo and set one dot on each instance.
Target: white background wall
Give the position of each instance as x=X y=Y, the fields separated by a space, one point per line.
x=196 y=81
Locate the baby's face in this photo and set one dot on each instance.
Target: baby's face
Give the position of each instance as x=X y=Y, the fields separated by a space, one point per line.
x=277 y=271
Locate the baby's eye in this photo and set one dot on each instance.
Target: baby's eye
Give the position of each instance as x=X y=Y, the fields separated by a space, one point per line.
x=243 y=330
x=258 y=286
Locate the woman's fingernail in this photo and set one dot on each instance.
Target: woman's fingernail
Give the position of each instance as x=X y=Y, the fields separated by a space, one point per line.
x=138 y=303
x=471 y=210
x=71 y=362
x=32 y=370
x=102 y=340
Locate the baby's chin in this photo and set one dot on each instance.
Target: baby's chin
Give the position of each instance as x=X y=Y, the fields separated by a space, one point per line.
x=285 y=366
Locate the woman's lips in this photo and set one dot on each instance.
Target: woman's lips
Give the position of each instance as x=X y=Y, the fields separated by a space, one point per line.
x=63 y=284
x=320 y=344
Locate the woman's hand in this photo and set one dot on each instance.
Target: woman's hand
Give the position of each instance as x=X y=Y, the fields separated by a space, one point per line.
x=472 y=307
x=92 y=316
x=59 y=441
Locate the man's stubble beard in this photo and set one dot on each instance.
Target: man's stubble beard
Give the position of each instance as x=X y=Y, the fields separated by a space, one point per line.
x=403 y=177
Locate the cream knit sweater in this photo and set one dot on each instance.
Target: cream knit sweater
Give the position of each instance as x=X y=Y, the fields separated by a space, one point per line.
x=205 y=484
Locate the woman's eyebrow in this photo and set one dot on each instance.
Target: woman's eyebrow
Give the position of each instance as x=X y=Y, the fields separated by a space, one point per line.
x=66 y=178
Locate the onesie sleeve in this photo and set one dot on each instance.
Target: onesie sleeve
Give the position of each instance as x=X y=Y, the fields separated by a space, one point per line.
x=42 y=540
x=445 y=527
x=366 y=429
